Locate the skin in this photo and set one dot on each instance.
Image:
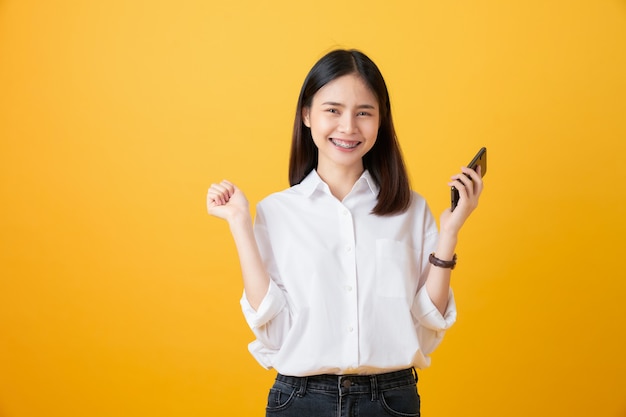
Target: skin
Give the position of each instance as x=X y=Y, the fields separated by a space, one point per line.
x=344 y=118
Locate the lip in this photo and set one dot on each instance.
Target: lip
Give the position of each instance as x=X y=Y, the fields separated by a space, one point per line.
x=344 y=145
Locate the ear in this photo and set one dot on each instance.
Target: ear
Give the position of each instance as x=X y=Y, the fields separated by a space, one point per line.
x=305 y=116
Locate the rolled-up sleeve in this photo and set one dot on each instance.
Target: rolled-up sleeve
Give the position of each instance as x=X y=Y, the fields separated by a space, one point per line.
x=270 y=322
x=430 y=323
x=271 y=306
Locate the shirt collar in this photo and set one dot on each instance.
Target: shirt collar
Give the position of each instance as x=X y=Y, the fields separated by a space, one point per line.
x=313 y=182
x=367 y=177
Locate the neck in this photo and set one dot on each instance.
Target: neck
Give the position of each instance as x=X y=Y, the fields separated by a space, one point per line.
x=340 y=180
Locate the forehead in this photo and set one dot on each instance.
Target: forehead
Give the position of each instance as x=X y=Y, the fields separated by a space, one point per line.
x=348 y=90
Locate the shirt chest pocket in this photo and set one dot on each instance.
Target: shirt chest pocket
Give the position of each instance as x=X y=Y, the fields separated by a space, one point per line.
x=395 y=272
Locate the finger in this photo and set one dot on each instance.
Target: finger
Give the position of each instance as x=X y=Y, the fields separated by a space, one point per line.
x=210 y=202
x=473 y=175
x=218 y=194
x=468 y=184
x=223 y=189
x=462 y=181
x=229 y=187
x=214 y=195
x=477 y=180
x=213 y=200
x=219 y=188
x=460 y=188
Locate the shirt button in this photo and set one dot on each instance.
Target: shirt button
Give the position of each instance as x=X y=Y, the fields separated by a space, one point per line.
x=348 y=288
x=350 y=329
x=344 y=212
x=348 y=248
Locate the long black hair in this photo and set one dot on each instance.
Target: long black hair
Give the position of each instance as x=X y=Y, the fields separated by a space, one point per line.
x=384 y=161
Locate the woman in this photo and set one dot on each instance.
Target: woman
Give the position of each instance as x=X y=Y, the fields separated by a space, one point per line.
x=346 y=278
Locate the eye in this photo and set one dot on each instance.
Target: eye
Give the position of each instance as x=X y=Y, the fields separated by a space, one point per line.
x=363 y=113
x=332 y=110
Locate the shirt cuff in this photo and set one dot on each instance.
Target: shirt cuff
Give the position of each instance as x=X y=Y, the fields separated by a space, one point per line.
x=272 y=304
x=429 y=316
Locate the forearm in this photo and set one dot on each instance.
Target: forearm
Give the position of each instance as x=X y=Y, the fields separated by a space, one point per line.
x=469 y=184
x=255 y=277
x=438 y=281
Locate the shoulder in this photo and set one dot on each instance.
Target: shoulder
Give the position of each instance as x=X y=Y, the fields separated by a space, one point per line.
x=285 y=197
x=296 y=194
x=421 y=213
x=418 y=202
x=420 y=209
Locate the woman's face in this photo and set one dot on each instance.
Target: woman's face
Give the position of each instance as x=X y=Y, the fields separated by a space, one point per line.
x=344 y=117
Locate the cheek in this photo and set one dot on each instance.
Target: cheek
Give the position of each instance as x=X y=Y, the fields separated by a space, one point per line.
x=321 y=127
x=319 y=133
x=372 y=130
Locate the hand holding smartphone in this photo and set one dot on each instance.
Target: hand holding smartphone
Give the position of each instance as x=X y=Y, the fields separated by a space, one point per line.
x=480 y=159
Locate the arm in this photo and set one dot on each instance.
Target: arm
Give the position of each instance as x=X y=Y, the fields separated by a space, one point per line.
x=226 y=201
x=438 y=281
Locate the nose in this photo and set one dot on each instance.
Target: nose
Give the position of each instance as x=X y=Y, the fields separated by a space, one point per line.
x=347 y=123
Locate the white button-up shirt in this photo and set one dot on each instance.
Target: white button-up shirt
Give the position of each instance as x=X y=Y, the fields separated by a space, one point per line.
x=347 y=291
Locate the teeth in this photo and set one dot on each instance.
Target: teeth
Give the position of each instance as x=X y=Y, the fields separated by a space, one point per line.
x=345 y=145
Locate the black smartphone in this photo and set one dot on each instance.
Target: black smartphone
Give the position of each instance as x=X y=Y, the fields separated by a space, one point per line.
x=479 y=160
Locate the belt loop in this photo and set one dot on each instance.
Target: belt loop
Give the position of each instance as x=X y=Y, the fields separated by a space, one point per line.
x=414 y=374
x=302 y=389
x=374 y=385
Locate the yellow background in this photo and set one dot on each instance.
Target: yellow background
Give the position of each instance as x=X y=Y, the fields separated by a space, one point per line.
x=119 y=294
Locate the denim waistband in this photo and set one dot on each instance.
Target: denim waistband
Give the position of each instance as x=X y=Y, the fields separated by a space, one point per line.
x=351 y=384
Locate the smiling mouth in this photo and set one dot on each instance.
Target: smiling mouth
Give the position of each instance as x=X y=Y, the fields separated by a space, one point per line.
x=344 y=144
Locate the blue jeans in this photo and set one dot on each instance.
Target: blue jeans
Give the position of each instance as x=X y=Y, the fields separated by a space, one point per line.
x=390 y=394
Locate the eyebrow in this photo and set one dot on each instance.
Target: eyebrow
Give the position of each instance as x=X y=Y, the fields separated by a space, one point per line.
x=360 y=106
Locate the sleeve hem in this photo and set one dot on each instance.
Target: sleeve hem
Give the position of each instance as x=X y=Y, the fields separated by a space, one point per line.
x=271 y=305
x=429 y=316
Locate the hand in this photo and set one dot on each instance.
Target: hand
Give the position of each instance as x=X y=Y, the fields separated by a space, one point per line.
x=226 y=201
x=469 y=184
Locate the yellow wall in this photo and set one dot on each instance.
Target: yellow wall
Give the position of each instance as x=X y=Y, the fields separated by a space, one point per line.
x=119 y=295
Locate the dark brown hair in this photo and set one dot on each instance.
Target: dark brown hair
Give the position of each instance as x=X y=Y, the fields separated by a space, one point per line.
x=384 y=161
